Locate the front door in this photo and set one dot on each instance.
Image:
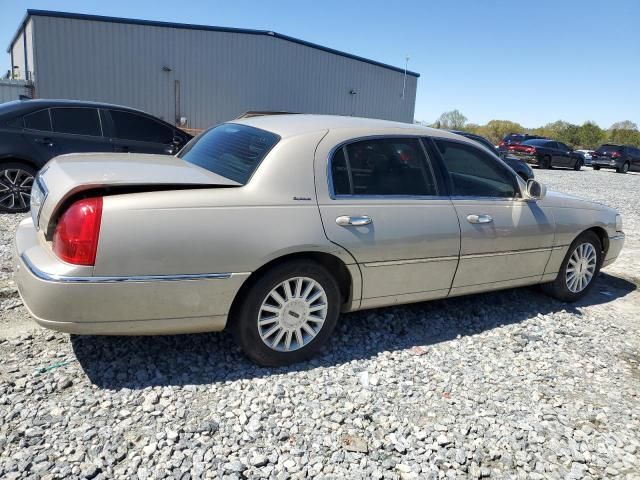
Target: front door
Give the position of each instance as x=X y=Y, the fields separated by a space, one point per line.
x=384 y=207
x=505 y=240
x=131 y=132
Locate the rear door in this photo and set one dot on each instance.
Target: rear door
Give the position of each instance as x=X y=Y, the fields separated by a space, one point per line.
x=137 y=133
x=564 y=153
x=38 y=134
x=382 y=203
x=505 y=241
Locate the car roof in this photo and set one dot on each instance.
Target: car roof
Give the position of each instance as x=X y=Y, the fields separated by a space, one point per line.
x=300 y=124
x=35 y=104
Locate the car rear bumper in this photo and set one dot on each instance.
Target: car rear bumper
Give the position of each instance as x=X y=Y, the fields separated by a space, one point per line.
x=141 y=305
x=605 y=164
x=615 y=246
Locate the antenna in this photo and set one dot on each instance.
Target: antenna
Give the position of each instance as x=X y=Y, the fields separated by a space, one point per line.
x=404 y=79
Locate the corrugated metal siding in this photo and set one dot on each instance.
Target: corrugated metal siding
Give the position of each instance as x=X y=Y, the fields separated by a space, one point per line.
x=12 y=89
x=17 y=52
x=221 y=74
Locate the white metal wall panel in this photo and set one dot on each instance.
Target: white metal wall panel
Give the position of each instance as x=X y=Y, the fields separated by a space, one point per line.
x=12 y=89
x=221 y=74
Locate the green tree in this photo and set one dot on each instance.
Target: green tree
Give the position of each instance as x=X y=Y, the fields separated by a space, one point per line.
x=590 y=136
x=453 y=120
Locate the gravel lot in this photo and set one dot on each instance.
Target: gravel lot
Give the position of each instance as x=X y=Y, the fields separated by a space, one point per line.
x=503 y=385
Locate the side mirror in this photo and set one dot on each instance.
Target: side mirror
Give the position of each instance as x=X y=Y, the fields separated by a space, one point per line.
x=536 y=190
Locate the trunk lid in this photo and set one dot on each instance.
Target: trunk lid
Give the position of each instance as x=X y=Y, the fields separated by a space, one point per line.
x=68 y=175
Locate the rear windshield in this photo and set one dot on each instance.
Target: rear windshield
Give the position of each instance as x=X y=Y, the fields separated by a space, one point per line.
x=604 y=149
x=231 y=150
x=536 y=141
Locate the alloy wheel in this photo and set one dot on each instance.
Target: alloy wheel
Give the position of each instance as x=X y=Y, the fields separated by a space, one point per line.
x=292 y=314
x=15 y=189
x=581 y=267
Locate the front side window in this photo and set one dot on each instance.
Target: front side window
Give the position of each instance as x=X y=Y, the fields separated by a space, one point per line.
x=131 y=126
x=38 y=121
x=231 y=150
x=474 y=173
x=388 y=166
x=76 y=121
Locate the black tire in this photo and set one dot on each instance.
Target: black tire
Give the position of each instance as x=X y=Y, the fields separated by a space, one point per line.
x=624 y=168
x=16 y=180
x=244 y=324
x=559 y=288
x=546 y=163
x=596 y=167
x=578 y=165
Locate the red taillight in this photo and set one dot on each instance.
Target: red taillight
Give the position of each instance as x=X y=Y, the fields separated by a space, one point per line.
x=531 y=149
x=501 y=144
x=76 y=237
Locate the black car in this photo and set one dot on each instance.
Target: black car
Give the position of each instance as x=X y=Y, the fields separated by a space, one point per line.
x=622 y=158
x=547 y=154
x=34 y=131
x=518 y=166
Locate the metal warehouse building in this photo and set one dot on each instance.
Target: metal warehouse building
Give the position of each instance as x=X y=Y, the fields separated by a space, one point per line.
x=198 y=75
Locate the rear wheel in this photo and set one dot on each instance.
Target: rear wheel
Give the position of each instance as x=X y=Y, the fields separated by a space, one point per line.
x=287 y=314
x=578 y=165
x=596 y=167
x=546 y=162
x=16 y=180
x=624 y=168
x=579 y=269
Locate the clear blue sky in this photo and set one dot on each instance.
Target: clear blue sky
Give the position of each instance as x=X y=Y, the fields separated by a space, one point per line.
x=531 y=62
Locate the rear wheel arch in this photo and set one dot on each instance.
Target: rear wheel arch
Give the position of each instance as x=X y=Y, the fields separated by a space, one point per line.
x=334 y=265
x=16 y=159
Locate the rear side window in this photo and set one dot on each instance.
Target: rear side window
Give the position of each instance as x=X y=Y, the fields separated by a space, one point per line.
x=390 y=166
x=231 y=150
x=130 y=126
x=38 y=121
x=474 y=173
x=76 y=121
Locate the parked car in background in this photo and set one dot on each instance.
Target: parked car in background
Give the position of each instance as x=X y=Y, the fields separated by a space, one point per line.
x=34 y=131
x=622 y=158
x=518 y=166
x=515 y=139
x=271 y=226
x=547 y=154
x=586 y=155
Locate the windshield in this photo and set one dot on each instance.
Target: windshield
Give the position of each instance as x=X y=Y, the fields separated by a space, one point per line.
x=231 y=150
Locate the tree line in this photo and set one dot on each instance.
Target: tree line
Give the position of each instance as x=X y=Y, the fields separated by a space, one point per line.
x=589 y=135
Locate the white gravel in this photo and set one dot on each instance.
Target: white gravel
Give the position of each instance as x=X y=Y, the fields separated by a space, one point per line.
x=503 y=385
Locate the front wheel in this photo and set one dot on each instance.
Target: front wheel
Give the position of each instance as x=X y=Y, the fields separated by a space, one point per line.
x=287 y=314
x=579 y=269
x=578 y=165
x=16 y=180
x=596 y=167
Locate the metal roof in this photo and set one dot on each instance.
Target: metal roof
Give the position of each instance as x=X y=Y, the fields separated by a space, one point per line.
x=189 y=26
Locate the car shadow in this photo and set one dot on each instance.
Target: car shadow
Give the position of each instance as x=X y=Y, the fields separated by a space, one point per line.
x=208 y=358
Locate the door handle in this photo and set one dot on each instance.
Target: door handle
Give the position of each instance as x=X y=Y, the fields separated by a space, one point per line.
x=479 y=218
x=45 y=141
x=347 y=221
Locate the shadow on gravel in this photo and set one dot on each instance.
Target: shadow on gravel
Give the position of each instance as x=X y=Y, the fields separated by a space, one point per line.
x=139 y=362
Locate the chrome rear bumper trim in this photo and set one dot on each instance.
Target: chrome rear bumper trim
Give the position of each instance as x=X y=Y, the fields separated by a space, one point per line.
x=136 y=278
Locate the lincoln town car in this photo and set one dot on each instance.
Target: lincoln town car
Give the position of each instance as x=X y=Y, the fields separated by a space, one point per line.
x=272 y=226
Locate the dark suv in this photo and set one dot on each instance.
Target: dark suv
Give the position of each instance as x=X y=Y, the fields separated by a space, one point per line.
x=622 y=158
x=34 y=131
